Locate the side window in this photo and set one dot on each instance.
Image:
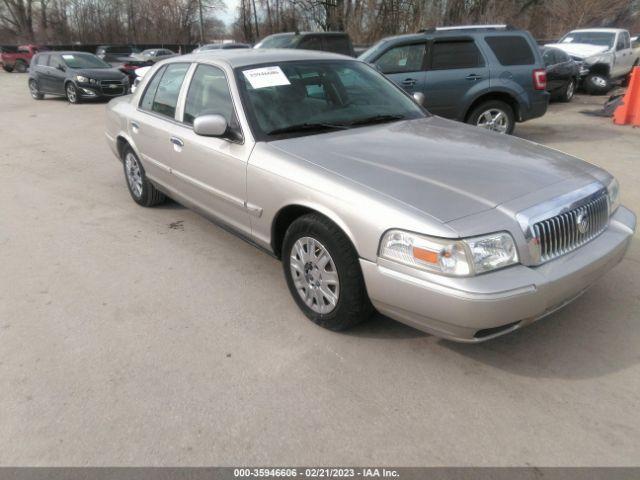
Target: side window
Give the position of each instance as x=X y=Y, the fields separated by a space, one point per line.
x=55 y=62
x=42 y=59
x=166 y=97
x=405 y=58
x=511 y=50
x=312 y=42
x=208 y=94
x=336 y=44
x=456 y=54
x=627 y=39
x=620 y=44
x=150 y=92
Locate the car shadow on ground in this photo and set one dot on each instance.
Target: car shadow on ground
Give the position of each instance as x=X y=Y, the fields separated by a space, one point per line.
x=596 y=335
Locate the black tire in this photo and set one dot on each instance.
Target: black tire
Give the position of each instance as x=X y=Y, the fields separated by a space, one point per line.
x=569 y=91
x=353 y=305
x=597 y=84
x=20 y=66
x=493 y=105
x=7 y=68
x=35 y=90
x=71 y=92
x=148 y=195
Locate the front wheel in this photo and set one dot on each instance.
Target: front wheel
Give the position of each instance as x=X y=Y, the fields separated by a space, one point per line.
x=34 y=90
x=569 y=91
x=323 y=273
x=72 y=93
x=597 y=84
x=493 y=115
x=21 y=67
x=7 y=68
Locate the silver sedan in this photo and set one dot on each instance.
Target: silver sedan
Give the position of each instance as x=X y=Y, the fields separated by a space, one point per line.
x=371 y=202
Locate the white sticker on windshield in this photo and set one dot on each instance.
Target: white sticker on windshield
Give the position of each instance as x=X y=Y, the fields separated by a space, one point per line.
x=266 y=77
x=568 y=40
x=68 y=57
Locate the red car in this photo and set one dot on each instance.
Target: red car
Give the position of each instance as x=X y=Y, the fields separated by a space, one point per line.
x=20 y=59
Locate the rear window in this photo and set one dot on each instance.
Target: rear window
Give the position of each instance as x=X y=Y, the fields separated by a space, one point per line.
x=511 y=50
x=456 y=54
x=41 y=59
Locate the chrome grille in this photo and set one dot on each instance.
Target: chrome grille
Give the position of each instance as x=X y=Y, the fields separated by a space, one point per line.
x=567 y=231
x=112 y=87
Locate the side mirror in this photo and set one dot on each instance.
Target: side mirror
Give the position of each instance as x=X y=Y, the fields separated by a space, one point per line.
x=210 y=125
x=419 y=98
x=61 y=68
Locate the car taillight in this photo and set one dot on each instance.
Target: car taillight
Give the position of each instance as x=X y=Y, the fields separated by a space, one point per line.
x=540 y=79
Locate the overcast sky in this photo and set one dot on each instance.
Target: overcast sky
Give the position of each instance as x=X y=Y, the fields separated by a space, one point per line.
x=228 y=16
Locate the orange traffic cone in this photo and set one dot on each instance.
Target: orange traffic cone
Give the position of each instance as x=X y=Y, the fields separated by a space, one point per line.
x=628 y=113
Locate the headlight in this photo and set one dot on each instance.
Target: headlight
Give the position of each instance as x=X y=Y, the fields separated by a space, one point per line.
x=82 y=79
x=613 y=190
x=463 y=257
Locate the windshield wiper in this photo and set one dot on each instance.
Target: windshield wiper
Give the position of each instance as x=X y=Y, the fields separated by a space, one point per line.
x=304 y=127
x=375 y=119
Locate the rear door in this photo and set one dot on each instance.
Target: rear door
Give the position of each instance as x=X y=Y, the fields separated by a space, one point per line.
x=456 y=69
x=152 y=125
x=404 y=65
x=39 y=70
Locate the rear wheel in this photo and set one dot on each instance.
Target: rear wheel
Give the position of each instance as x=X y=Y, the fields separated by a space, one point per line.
x=323 y=273
x=72 y=93
x=493 y=115
x=597 y=84
x=141 y=189
x=20 y=66
x=35 y=90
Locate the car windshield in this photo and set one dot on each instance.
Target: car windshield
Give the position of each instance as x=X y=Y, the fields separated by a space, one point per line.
x=147 y=53
x=83 y=60
x=604 y=39
x=307 y=97
x=278 y=41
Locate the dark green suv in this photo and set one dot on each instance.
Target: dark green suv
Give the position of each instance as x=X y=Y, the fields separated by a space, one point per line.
x=491 y=76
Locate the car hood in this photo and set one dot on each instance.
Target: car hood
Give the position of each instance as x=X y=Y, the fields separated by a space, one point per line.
x=445 y=169
x=100 y=73
x=579 y=50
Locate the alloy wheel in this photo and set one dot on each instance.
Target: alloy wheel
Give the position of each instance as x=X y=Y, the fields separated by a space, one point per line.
x=134 y=175
x=33 y=88
x=315 y=275
x=571 y=88
x=494 y=119
x=72 y=94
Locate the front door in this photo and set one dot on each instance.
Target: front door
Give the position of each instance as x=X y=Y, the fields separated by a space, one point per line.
x=56 y=75
x=404 y=65
x=212 y=171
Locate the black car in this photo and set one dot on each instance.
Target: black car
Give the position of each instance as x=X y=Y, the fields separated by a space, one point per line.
x=335 y=42
x=562 y=73
x=116 y=53
x=75 y=75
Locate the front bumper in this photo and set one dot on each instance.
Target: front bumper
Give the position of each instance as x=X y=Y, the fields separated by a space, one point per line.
x=478 y=308
x=99 y=90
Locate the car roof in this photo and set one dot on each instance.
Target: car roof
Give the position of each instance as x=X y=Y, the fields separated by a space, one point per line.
x=241 y=57
x=460 y=31
x=603 y=30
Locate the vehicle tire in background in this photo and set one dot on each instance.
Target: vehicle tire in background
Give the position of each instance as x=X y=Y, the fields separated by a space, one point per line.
x=323 y=273
x=71 y=92
x=20 y=66
x=35 y=90
x=494 y=115
x=141 y=189
x=7 y=68
x=597 y=84
x=569 y=91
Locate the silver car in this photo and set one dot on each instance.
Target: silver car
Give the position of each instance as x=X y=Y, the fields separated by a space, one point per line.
x=371 y=202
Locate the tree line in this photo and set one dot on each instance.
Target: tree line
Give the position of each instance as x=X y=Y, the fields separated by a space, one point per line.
x=192 y=21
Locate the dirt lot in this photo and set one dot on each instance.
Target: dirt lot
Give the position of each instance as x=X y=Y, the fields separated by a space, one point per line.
x=152 y=337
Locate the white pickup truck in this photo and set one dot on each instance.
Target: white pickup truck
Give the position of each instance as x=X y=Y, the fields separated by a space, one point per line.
x=603 y=54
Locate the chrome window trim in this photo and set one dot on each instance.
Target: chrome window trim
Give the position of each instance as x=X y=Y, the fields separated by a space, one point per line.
x=551 y=208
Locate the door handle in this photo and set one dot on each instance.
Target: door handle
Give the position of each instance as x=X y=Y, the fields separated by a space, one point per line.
x=177 y=142
x=408 y=82
x=135 y=126
x=473 y=76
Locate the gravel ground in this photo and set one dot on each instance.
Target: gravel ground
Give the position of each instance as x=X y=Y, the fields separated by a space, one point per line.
x=133 y=336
